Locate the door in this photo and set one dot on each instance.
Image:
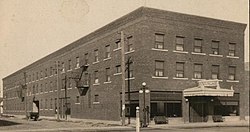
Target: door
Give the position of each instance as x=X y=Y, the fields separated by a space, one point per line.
x=198 y=112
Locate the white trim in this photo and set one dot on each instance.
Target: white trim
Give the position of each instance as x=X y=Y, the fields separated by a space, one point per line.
x=62 y=89
x=179 y=78
x=234 y=57
x=96 y=62
x=69 y=88
x=117 y=49
x=194 y=53
x=77 y=67
x=51 y=91
x=132 y=78
x=159 y=77
x=107 y=82
x=165 y=50
x=233 y=81
x=69 y=70
x=77 y=103
x=96 y=84
x=129 y=52
x=117 y=73
x=96 y=102
x=215 y=55
x=196 y=79
x=109 y=58
x=182 y=52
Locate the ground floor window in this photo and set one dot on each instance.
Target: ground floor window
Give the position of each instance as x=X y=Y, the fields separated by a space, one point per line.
x=226 y=110
x=173 y=109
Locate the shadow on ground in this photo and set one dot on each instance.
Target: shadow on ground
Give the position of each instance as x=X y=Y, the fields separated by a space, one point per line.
x=8 y=123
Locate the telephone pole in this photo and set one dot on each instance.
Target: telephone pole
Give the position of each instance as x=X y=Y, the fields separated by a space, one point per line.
x=123 y=76
x=58 y=90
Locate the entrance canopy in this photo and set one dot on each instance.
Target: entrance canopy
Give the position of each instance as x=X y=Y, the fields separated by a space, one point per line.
x=208 y=88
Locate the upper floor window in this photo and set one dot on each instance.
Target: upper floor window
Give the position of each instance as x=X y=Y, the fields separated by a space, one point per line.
x=232 y=47
x=159 y=68
x=69 y=63
x=96 y=77
x=130 y=44
x=215 y=47
x=215 y=71
x=77 y=62
x=96 y=99
x=86 y=78
x=86 y=58
x=180 y=69
x=51 y=71
x=231 y=72
x=179 y=43
x=118 y=44
x=46 y=72
x=63 y=67
x=96 y=55
x=118 y=69
x=107 y=75
x=197 y=71
x=159 y=41
x=107 y=53
x=198 y=45
x=77 y=99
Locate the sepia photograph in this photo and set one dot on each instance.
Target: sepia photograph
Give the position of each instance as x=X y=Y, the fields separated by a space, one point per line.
x=124 y=66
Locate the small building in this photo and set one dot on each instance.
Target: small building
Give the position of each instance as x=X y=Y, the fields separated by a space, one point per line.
x=193 y=68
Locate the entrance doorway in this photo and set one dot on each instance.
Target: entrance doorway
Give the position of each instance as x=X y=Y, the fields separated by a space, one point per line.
x=198 y=112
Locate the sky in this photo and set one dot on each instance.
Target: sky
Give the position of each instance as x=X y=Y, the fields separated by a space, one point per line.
x=32 y=29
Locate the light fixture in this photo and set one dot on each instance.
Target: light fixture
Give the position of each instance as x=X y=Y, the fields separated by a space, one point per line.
x=144 y=84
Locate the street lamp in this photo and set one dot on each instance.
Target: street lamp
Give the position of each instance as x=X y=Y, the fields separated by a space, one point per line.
x=144 y=90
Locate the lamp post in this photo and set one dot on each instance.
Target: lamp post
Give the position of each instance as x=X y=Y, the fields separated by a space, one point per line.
x=144 y=91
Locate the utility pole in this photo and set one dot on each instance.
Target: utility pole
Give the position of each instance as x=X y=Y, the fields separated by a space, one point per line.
x=65 y=94
x=123 y=76
x=58 y=90
x=25 y=96
x=128 y=74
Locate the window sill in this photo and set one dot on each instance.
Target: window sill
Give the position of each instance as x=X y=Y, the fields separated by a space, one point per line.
x=197 y=79
x=215 y=55
x=96 y=102
x=164 y=50
x=182 y=52
x=77 y=103
x=194 y=53
x=233 y=57
x=96 y=84
x=179 y=78
x=77 y=67
x=109 y=58
x=159 y=77
x=69 y=70
x=129 y=52
x=62 y=89
x=117 y=74
x=69 y=88
x=107 y=82
x=96 y=62
x=132 y=78
x=50 y=91
x=117 y=49
x=233 y=81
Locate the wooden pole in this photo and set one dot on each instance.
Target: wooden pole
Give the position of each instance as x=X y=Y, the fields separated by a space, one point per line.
x=123 y=76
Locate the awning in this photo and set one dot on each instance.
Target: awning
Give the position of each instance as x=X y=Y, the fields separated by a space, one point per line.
x=208 y=88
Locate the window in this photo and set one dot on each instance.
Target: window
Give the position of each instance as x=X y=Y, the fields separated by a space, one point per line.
x=51 y=71
x=107 y=74
x=33 y=77
x=86 y=79
x=63 y=67
x=45 y=73
x=77 y=99
x=96 y=99
x=69 y=84
x=131 y=75
x=41 y=74
x=197 y=71
x=41 y=87
x=118 y=44
x=51 y=86
x=86 y=58
x=215 y=47
x=37 y=75
x=107 y=53
x=198 y=45
x=63 y=85
x=215 y=71
x=130 y=44
x=159 y=41
x=118 y=69
x=231 y=49
x=69 y=68
x=77 y=62
x=51 y=103
x=96 y=55
x=96 y=77
x=37 y=88
x=173 y=109
x=46 y=100
x=180 y=69
x=232 y=72
x=179 y=43
x=159 y=68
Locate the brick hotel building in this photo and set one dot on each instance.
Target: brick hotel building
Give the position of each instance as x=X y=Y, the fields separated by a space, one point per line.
x=173 y=53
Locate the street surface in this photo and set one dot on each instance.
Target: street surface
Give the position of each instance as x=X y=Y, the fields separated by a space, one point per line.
x=21 y=125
